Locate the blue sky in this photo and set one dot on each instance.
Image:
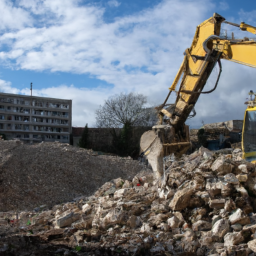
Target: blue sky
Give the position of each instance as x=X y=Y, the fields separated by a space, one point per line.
x=88 y=51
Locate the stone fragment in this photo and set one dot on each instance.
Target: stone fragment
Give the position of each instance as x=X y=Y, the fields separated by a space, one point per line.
x=202 y=225
x=182 y=197
x=67 y=219
x=237 y=227
x=213 y=187
x=221 y=167
x=242 y=177
x=229 y=205
x=243 y=168
x=252 y=245
x=239 y=217
x=242 y=191
x=145 y=228
x=41 y=219
x=113 y=217
x=220 y=228
x=134 y=221
x=121 y=193
x=234 y=238
x=231 y=178
x=86 y=208
x=110 y=191
x=251 y=185
x=217 y=203
x=173 y=222
x=127 y=184
x=118 y=182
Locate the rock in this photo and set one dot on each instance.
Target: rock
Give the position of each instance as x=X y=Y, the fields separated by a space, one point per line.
x=220 y=228
x=252 y=245
x=234 y=238
x=213 y=187
x=217 y=203
x=239 y=217
x=145 y=228
x=121 y=193
x=173 y=222
x=221 y=167
x=237 y=227
x=243 y=168
x=231 y=178
x=134 y=221
x=202 y=225
x=86 y=208
x=118 y=182
x=67 y=219
x=242 y=177
x=113 y=217
x=182 y=197
x=229 y=205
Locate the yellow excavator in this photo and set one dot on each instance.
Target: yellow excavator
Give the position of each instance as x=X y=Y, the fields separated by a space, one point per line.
x=171 y=135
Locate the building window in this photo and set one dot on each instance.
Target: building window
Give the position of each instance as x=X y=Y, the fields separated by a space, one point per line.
x=18 y=126
x=26 y=136
x=26 y=127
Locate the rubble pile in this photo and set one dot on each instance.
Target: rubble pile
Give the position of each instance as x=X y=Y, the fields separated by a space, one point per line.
x=203 y=205
x=52 y=173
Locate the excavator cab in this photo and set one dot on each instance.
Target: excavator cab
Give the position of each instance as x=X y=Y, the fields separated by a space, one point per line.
x=249 y=130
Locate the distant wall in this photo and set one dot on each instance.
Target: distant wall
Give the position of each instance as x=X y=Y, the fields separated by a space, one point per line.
x=101 y=138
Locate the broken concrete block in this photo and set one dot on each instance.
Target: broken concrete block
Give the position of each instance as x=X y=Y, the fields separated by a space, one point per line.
x=182 y=197
x=67 y=219
x=239 y=217
x=234 y=238
x=113 y=217
x=252 y=245
x=217 y=203
x=220 y=228
x=134 y=221
x=237 y=227
x=202 y=225
x=118 y=182
x=173 y=222
x=213 y=187
x=121 y=193
x=145 y=228
x=243 y=168
x=221 y=167
x=231 y=178
x=86 y=208
x=229 y=205
x=242 y=177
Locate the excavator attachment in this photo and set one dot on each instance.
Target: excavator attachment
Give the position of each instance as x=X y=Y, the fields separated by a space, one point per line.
x=162 y=141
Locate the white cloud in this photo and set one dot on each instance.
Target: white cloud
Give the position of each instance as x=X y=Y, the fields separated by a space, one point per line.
x=113 y=3
x=6 y=87
x=140 y=52
x=13 y=18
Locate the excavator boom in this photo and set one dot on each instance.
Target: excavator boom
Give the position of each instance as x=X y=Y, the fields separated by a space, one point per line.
x=171 y=135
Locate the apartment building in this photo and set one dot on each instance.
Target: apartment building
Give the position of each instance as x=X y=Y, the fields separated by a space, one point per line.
x=34 y=119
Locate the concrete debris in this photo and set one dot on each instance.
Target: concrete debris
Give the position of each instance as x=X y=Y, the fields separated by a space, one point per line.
x=203 y=205
x=53 y=173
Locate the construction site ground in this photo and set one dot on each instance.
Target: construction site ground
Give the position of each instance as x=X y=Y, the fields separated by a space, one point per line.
x=204 y=204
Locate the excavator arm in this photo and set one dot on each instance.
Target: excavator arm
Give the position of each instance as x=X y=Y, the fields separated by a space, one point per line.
x=171 y=135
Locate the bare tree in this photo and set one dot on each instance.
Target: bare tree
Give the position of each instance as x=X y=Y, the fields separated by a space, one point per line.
x=123 y=109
